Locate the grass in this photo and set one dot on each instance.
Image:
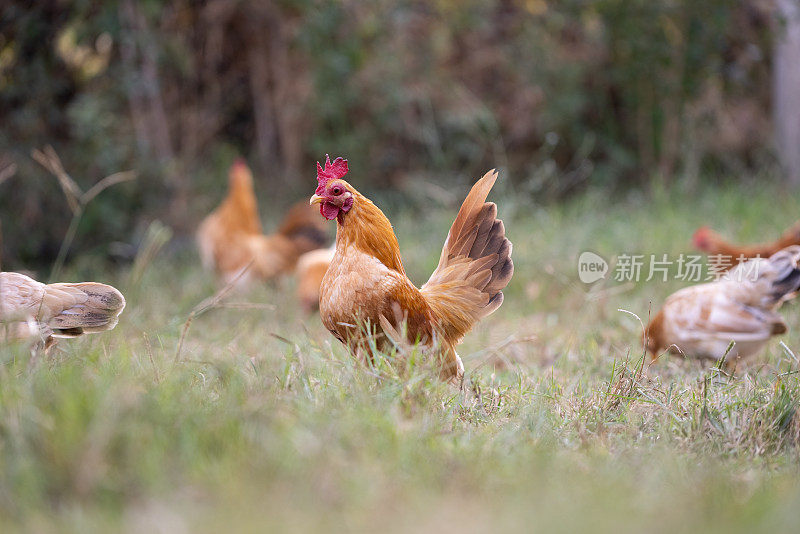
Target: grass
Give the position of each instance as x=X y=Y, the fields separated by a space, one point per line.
x=265 y=423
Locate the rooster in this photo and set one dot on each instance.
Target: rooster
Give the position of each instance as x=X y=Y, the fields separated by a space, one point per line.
x=366 y=299
x=230 y=239
x=701 y=321
x=726 y=254
x=33 y=310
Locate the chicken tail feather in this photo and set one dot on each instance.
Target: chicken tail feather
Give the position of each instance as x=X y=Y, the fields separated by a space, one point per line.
x=82 y=308
x=786 y=265
x=304 y=227
x=474 y=267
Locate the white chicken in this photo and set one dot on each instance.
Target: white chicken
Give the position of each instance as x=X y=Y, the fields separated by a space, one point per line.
x=701 y=321
x=42 y=312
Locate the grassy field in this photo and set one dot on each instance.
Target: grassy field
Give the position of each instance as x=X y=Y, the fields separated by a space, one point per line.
x=263 y=422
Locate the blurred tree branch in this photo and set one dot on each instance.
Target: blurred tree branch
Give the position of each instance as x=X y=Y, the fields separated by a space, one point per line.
x=7 y=172
x=76 y=199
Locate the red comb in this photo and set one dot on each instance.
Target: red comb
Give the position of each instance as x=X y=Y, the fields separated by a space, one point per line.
x=701 y=237
x=332 y=171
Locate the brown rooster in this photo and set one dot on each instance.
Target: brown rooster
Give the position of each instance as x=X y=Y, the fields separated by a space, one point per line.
x=366 y=299
x=726 y=254
x=32 y=310
x=701 y=321
x=230 y=238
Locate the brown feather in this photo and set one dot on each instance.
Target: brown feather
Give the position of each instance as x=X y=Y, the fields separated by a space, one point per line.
x=366 y=281
x=230 y=238
x=654 y=335
x=311 y=269
x=729 y=254
x=368 y=229
x=476 y=241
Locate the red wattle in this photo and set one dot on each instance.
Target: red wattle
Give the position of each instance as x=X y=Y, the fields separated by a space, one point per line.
x=328 y=210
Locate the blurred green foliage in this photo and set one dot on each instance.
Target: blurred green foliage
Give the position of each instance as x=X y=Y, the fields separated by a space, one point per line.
x=561 y=94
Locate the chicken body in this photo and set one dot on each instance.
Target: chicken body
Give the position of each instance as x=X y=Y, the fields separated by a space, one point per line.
x=230 y=239
x=702 y=320
x=366 y=299
x=31 y=309
x=726 y=254
x=359 y=292
x=310 y=270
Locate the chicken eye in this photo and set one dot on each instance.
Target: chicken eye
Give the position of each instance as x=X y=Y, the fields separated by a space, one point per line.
x=337 y=190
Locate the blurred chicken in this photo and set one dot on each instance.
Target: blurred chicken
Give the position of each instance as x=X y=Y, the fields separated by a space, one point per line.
x=726 y=254
x=310 y=271
x=230 y=238
x=368 y=302
x=701 y=321
x=32 y=310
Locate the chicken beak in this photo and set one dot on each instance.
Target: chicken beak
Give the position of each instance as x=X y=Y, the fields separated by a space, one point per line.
x=316 y=199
